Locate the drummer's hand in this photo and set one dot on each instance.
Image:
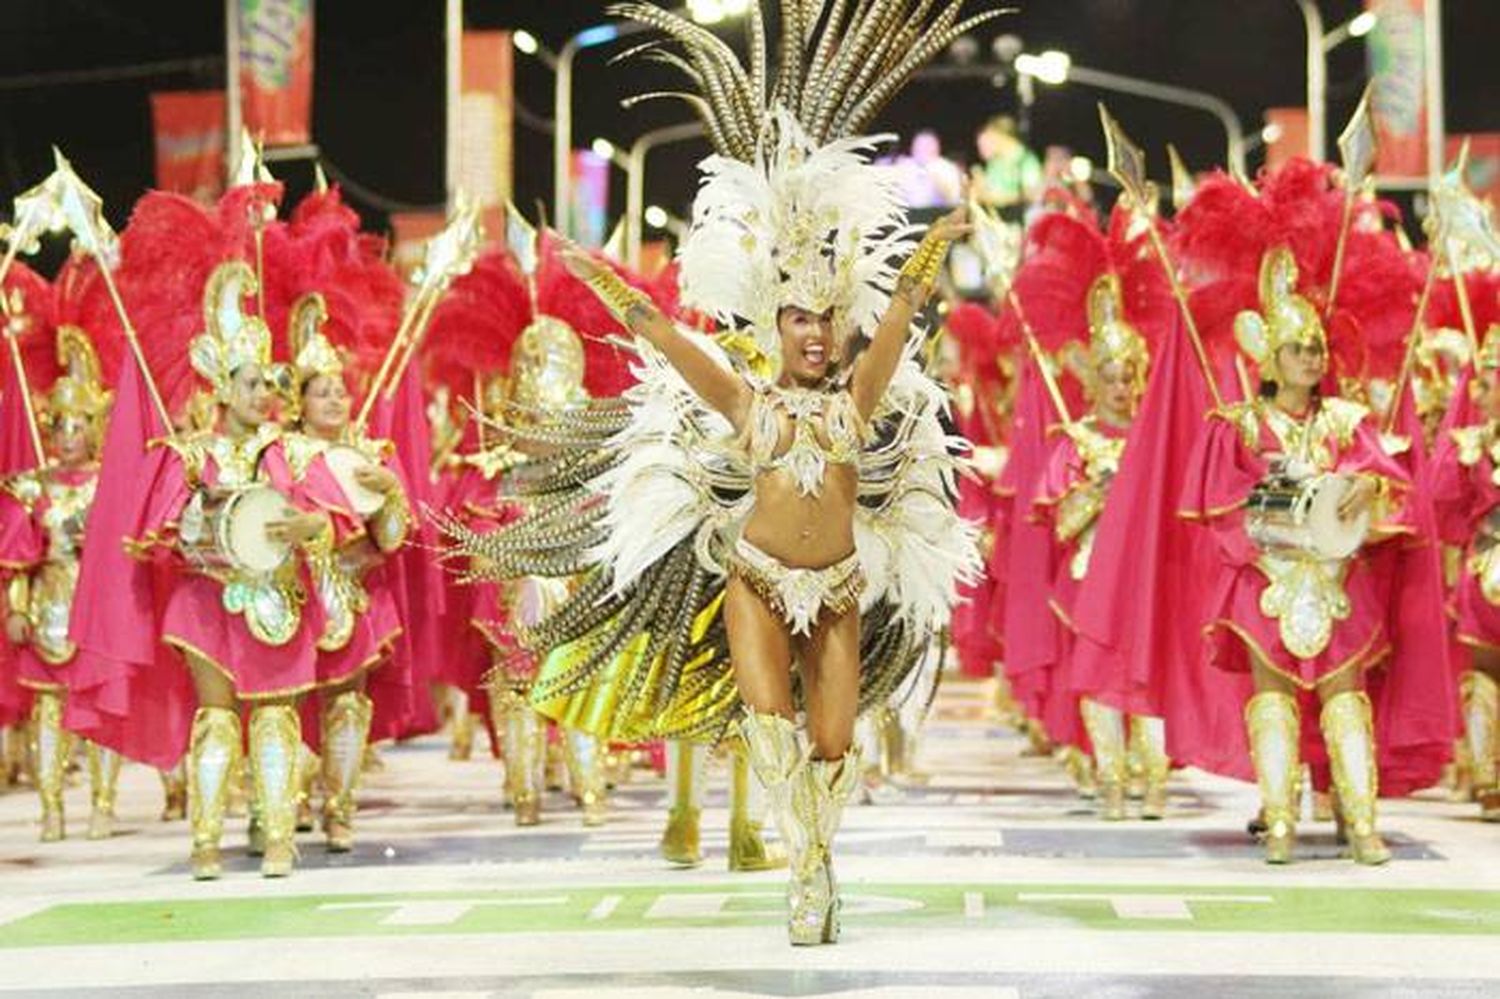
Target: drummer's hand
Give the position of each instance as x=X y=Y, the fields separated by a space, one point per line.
x=1359 y=497
x=297 y=529
x=377 y=479
x=18 y=629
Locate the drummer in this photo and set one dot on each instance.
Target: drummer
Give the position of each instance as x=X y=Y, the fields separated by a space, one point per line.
x=1302 y=624
x=352 y=478
x=249 y=637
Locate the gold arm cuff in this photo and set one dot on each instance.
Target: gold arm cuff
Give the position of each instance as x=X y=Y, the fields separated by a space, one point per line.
x=619 y=297
x=923 y=266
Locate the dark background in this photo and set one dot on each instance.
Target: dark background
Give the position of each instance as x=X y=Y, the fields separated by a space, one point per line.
x=378 y=113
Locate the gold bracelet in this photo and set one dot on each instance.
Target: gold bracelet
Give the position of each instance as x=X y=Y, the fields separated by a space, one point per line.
x=923 y=266
x=617 y=296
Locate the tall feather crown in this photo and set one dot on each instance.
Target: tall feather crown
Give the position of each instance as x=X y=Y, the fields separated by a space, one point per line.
x=791 y=211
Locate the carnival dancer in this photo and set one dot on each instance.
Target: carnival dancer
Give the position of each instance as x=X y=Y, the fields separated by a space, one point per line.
x=362 y=623
x=1298 y=618
x=1073 y=492
x=1465 y=489
x=42 y=515
x=716 y=510
x=219 y=517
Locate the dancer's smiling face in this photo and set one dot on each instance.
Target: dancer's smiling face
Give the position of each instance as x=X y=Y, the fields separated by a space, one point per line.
x=325 y=406
x=807 y=347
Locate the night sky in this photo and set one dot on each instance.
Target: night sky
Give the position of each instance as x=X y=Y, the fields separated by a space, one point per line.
x=379 y=85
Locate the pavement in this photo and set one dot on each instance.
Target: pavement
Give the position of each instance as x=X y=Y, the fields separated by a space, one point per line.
x=989 y=879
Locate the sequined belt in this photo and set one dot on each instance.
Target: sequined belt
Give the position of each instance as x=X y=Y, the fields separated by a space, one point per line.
x=799 y=595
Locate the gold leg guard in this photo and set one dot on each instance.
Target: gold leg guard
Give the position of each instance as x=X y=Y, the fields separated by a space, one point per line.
x=585 y=761
x=275 y=745
x=213 y=762
x=1348 y=729
x=50 y=748
x=1275 y=727
x=1148 y=737
x=748 y=850
x=174 y=794
x=1106 y=729
x=807 y=798
x=681 y=841
x=308 y=768
x=1481 y=701
x=346 y=730
x=1080 y=768
x=523 y=737
x=461 y=723
x=104 y=774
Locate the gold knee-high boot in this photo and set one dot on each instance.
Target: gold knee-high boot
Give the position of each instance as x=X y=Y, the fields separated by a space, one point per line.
x=213 y=761
x=50 y=750
x=681 y=841
x=104 y=775
x=1481 y=701
x=1349 y=730
x=747 y=806
x=1106 y=729
x=275 y=745
x=346 y=730
x=584 y=754
x=1275 y=726
x=1148 y=737
x=807 y=797
x=523 y=738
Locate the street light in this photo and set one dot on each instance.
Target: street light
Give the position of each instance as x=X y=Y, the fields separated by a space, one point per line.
x=525 y=42
x=562 y=137
x=603 y=148
x=635 y=180
x=1055 y=68
x=1050 y=67
x=1319 y=44
x=656 y=217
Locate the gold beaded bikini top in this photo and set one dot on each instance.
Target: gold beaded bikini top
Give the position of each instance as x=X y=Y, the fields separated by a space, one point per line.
x=826 y=429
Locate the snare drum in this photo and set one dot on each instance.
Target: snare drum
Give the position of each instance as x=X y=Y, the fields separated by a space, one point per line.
x=1304 y=516
x=225 y=529
x=343 y=461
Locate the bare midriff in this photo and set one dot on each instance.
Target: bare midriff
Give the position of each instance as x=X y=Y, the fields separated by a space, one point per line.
x=805 y=532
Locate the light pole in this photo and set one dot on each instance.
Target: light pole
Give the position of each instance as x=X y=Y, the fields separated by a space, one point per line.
x=635 y=181
x=1319 y=44
x=1057 y=68
x=562 y=110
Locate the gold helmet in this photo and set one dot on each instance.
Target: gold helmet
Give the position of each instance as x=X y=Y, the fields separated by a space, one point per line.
x=547 y=366
x=78 y=398
x=312 y=353
x=1285 y=317
x=230 y=339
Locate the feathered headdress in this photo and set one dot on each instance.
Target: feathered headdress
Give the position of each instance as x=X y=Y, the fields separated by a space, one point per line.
x=791 y=211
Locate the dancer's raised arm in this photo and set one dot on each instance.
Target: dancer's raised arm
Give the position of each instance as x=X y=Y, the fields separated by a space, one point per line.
x=875 y=369
x=717 y=385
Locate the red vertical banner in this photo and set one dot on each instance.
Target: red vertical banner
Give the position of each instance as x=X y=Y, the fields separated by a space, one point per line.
x=276 y=67
x=486 y=117
x=1398 y=102
x=189 y=130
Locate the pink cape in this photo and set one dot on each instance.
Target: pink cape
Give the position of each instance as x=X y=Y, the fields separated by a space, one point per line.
x=417 y=582
x=129 y=692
